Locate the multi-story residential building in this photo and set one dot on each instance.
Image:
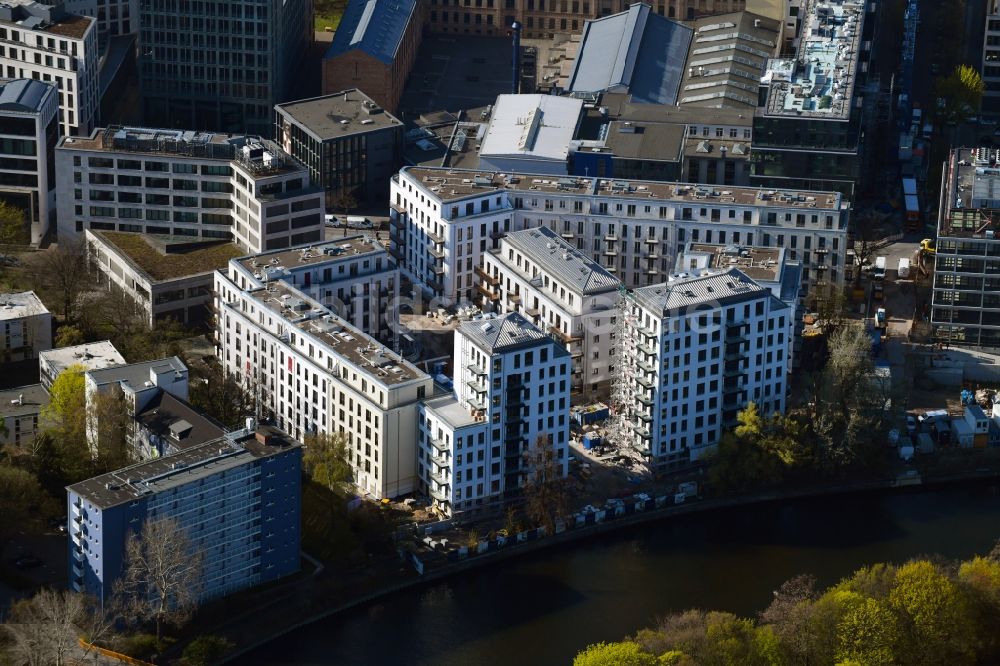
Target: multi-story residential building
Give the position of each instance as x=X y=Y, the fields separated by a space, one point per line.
x=168 y=277
x=26 y=325
x=965 y=304
x=444 y=220
x=512 y=396
x=44 y=42
x=563 y=292
x=374 y=49
x=89 y=356
x=166 y=424
x=29 y=131
x=188 y=184
x=350 y=145
x=220 y=66
x=697 y=350
x=238 y=498
x=991 y=60
x=20 y=408
x=808 y=132
x=543 y=19
x=137 y=385
x=315 y=373
x=353 y=276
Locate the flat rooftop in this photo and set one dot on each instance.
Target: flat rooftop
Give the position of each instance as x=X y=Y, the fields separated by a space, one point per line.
x=14 y=305
x=454 y=184
x=303 y=256
x=91 y=355
x=172 y=471
x=452 y=412
x=39 y=17
x=973 y=184
x=340 y=114
x=160 y=266
x=758 y=263
x=340 y=337
x=819 y=81
x=137 y=374
x=22 y=401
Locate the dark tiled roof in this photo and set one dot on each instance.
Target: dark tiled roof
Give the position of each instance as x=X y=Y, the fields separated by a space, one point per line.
x=374 y=26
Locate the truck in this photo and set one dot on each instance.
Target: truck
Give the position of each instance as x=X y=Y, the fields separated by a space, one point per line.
x=359 y=222
x=903 y=271
x=913 y=219
x=879 y=273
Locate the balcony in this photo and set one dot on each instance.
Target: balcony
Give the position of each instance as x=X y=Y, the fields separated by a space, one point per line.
x=491 y=295
x=436 y=253
x=646 y=349
x=440 y=478
x=435 y=238
x=735 y=355
x=734 y=372
x=568 y=235
x=396 y=252
x=643 y=381
x=476 y=370
x=440 y=445
x=640 y=430
x=489 y=279
x=610 y=253
x=399 y=208
x=441 y=460
x=645 y=367
x=439 y=270
x=476 y=385
x=562 y=337
x=497 y=234
x=435 y=284
x=736 y=336
x=611 y=238
x=396 y=237
x=514 y=298
x=651 y=241
x=642 y=398
x=441 y=494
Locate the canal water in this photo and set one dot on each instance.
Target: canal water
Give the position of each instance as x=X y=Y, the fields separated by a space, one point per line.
x=543 y=608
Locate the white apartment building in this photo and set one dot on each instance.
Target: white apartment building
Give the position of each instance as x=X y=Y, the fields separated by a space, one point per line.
x=26 y=325
x=88 y=356
x=29 y=131
x=20 y=409
x=697 y=350
x=353 y=276
x=315 y=373
x=181 y=183
x=45 y=42
x=444 y=221
x=511 y=390
x=562 y=291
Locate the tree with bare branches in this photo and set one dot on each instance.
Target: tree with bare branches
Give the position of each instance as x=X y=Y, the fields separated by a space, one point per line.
x=544 y=484
x=108 y=421
x=868 y=242
x=61 y=272
x=161 y=581
x=44 y=630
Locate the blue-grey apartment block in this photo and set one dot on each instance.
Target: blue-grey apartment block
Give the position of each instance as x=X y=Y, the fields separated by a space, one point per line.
x=219 y=65
x=238 y=497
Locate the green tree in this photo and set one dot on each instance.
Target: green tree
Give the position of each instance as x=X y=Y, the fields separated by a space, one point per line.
x=625 y=653
x=868 y=633
x=65 y=415
x=69 y=336
x=219 y=394
x=14 y=228
x=325 y=459
x=23 y=502
x=935 y=613
x=205 y=651
x=962 y=91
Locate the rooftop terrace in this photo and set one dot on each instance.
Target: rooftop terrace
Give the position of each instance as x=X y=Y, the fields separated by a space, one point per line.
x=819 y=81
x=972 y=188
x=758 y=263
x=341 y=338
x=454 y=184
x=169 y=265
x=42 y=17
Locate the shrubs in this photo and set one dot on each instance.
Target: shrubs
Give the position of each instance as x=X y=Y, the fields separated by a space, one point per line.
x=205 y=651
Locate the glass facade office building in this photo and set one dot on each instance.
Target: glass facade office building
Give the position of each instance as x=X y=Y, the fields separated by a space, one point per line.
x=218 y=65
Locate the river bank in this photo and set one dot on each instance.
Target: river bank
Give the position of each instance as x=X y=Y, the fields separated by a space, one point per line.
x=303 y=612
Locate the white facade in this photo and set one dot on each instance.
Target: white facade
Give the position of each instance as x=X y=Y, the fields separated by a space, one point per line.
x=315 y=373
x=697 y=350
x=114 y=17
x=25 y=326
x=353 y=276
x=46 y=43
x=89 y=356
x=201 y=185
x=444 y=221
x=513 y=382
x=29 y=131
x=563 y=292
x=20 y=409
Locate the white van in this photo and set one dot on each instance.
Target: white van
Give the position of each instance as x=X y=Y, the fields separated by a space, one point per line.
x=359 y=222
